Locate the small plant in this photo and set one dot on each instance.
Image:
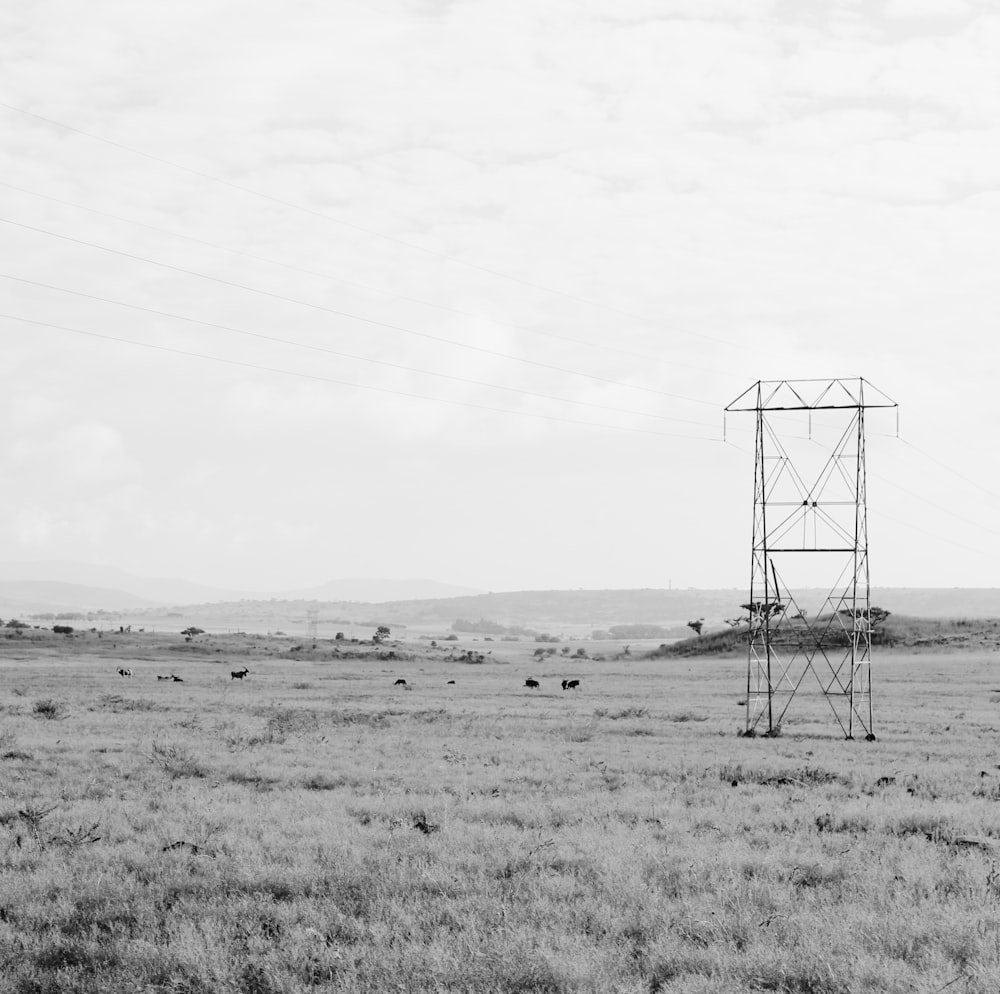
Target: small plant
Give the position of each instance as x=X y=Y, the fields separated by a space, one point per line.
x=49 y=709
x=80 y=836
x=33 y=818
x=177 y=761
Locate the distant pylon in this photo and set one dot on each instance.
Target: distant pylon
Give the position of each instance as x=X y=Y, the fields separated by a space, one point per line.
x=798 y=516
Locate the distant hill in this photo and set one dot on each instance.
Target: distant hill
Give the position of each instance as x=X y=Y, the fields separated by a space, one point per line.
x=112 y=581
x=547 y=610
x=48 y=587
x=26 y=597
x=376 y=591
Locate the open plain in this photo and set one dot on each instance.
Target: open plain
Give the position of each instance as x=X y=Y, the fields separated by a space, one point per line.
x=316 y=827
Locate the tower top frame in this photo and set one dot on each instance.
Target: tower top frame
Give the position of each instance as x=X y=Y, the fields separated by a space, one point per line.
x=810 y=395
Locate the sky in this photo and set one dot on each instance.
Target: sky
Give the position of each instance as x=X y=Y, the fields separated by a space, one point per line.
x=460 y=290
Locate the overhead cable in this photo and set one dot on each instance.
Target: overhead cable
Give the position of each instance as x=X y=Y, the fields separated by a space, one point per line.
x=371 y=232
x=347 y=314
x=360 y=386
x=354 y=284
x=345 y=355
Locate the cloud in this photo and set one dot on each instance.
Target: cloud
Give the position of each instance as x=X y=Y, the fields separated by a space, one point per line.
x=913 y=9
x=745 y=189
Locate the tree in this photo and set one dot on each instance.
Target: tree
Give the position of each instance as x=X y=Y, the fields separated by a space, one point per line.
x=763 y=610
x=696 y=626
x=192 y=631
x=875 y=615
x=381 y=634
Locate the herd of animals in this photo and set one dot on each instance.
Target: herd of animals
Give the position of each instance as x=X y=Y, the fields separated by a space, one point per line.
x=240 y=674
x=234 y=675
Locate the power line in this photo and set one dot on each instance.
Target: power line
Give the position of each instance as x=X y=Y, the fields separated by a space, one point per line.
x=352 y=283
x=346 y=314
x=935 y=505
x=360 y=386
x=371 y=232
x=923 y=531
x=950 y=469
x=344 y=355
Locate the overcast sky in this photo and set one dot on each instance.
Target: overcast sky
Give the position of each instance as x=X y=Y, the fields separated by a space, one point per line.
x=476 y=281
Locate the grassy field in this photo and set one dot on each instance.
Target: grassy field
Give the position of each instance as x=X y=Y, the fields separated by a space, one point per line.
x=315 y=827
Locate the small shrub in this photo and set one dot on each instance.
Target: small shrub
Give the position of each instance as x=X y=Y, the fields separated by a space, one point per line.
x=682 y=716
x=49 y=709
x=177 y=761
x=623 y=713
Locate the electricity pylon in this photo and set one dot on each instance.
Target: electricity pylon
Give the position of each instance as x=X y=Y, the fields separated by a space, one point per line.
x=822 y=516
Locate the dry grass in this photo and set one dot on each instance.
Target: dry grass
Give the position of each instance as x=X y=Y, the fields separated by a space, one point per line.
x=314 y=828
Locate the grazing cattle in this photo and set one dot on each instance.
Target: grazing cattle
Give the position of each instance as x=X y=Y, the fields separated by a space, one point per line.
x=533 y=684
x=121 y=671
x=400 y=683
x=451 y=681
x=238 y=674
x=572 y=684
x=158 y=677
x=176 y=679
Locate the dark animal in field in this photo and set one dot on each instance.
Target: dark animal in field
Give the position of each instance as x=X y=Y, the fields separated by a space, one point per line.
x=451 y=681
x=121 y=671
x=400 y=683
x=158 y=677
x=531 y=683
x=571 y=684
x=238 y=674
x=176 y=679
x=421 y=823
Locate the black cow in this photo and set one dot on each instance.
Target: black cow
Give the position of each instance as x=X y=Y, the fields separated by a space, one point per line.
x=238 y=674
x=570 y=684
x=533 y=684
x=400 y=683
x=121 y=671
x=451 y=681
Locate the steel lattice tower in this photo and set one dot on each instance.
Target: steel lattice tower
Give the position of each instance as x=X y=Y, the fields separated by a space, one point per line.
x=799 y=514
